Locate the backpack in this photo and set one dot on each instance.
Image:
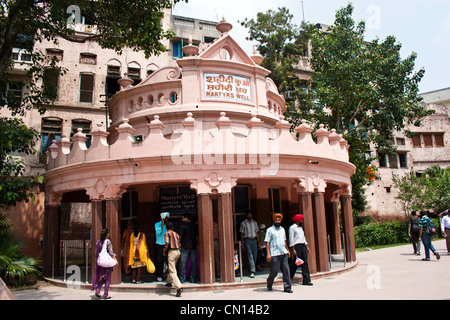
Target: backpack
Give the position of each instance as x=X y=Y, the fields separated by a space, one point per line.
x=430 y=228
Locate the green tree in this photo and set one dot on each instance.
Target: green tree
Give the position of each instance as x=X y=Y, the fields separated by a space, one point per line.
x=436 y=196
x=363 y=89
x=135 y=24
x=410 y=191
x=282 y=44
x=430 y=191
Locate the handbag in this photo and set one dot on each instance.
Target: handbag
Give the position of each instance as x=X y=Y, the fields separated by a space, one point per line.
x=150 y=266
x=299 y=261
x=104 y=259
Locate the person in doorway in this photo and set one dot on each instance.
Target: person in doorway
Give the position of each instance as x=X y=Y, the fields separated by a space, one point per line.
x=427 y=237
x=188 y=237
x=445 y=227
x=160 y=231
x=126 y=246
x=249 y=230
x=172 y=251
x=414 y=232
x=277 y=253
x=102 y=276
x=138 y=253
x=262 y=247
x=300 y=250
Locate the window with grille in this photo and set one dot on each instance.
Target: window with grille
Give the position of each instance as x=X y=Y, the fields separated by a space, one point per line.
x=51 y=129
x=135 y=75
x=85 y=125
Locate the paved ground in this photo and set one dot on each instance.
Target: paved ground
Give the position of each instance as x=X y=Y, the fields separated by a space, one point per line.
x=383 y=274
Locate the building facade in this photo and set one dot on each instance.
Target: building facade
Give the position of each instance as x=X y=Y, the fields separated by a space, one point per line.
x=206 y=136
x=81 y=102
x=429 y=146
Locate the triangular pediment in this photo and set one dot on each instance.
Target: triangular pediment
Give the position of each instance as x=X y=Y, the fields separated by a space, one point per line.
x=226 y=48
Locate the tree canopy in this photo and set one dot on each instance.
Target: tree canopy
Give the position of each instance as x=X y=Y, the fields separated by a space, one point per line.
x=363 y=89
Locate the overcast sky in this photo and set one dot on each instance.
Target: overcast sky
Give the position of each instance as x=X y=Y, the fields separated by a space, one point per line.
x=419 y=25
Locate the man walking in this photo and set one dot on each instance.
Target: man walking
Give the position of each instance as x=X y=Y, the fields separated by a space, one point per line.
x=249 y=231
x=172 y=250
x=445 y=227
x=427 y=236
x=414 y=232
x=297 y=242
x=278 y=253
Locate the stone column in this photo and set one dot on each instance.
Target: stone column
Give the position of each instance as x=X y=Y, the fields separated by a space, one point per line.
x=113 y=225
x=51 y=234
x=347 y=226
x=206 y=242
x=96 y=228
x=320 y=232
x=226 y=244
x=305 y=208
x=51 y=240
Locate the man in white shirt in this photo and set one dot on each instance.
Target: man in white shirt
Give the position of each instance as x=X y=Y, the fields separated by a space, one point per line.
x=445 y=227
x=277 y=253
x=300 y=250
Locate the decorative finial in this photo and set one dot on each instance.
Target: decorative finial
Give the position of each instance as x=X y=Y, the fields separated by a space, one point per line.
x=223 y=26
x=190 y=49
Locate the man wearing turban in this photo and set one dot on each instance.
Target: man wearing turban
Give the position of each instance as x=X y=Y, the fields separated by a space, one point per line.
x=300 y=250
x=277 y=253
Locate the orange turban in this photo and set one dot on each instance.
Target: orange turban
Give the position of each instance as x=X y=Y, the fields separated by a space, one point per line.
x=297 y=218
x=277 y=215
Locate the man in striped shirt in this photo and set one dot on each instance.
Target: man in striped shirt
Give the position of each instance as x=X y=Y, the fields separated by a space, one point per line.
x=172 y=250
x=426 y=238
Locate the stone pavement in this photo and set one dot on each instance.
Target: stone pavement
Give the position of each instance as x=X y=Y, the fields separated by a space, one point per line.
x=383 y=274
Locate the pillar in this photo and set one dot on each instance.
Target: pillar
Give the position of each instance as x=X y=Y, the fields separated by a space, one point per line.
x=305 y=208
x=226 y=244
x=96 y=228
x=347 y=227
x=113 y=225
x=320 y=232
x=51 y=240
x=206 y=242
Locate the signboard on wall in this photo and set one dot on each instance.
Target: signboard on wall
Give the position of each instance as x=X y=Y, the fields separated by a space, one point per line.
x=226 y=86
x=178 y=202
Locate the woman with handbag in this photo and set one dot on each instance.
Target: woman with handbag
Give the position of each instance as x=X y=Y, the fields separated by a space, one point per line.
x=105 y=260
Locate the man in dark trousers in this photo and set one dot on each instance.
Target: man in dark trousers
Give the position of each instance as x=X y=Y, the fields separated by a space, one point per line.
x=188 y=237
x=300 y=250
x=278 y=253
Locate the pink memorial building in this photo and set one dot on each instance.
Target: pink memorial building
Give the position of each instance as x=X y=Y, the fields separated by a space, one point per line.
x=206 y=137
